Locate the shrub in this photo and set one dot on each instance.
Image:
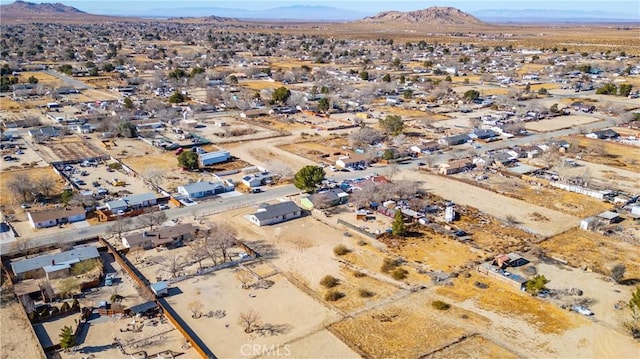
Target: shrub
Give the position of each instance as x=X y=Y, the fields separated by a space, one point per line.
x=340 y=250
x=365 y=293
x=33 y=315
x=388 y=265
x=329 y=281
x=362 y=242
x=358 y=274
x=54 y=310
x=399 y=273
x=333 y=295
x=75 y=304
x=440 y=305
x=65 y=307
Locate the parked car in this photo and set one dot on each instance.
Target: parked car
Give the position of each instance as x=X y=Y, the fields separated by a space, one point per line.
x=582 y=310
x=163 y=206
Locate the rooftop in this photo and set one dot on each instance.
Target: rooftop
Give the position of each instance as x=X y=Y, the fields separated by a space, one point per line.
x=75 y=255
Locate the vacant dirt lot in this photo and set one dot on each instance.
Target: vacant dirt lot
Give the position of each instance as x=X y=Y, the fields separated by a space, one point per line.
x=34 y=175
x=407 y=328
x=475 y=347
x=594 y=251
x=70 y=148
x=559 y=122
x=496 y=205
x=608 y=153
x=18 y=341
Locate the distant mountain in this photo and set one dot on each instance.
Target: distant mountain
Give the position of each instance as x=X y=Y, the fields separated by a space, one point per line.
x=27 y=8
x=545 y=15
x=294 y=12
x=440 y=16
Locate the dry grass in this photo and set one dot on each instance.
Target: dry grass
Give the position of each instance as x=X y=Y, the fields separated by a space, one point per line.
x=6 y=103
x=407 y=328
x=18 y=340
x=617 y=155
x=43 y=78
x=34 y=174
x=438 y=252
x=477 y=347
x=261 y=84
x=350 y=284
x=594 y=251
x=508 y=301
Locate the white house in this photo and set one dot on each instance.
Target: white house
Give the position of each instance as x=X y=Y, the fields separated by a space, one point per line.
x=205 y=189
x=54 y=217
x=257 y=179
x=275 y=213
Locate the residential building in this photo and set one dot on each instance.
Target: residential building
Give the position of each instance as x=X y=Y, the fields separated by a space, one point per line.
x=257 y=179
x=454 y=167
x=454 y=140
x=133 y=202
x=352 y=160
x=330 y=198
x=205 y=189
x=166 y=236
x=55 y=265
x=603 y=134
x=275 y=213
x=54 y=217
x=425 y=147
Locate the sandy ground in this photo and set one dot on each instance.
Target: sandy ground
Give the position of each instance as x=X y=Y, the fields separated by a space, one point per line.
x=18 y=341
x=559 y=122
x=495 y=204
x=619 y=178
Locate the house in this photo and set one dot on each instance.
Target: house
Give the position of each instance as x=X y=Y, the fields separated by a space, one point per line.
x=54 y=217
x=258 y=179
x=485 y=135
x=167 y=237
x=148 y=124
x=212 y=158
x=275 y=213
x=254 y=113
x=491 y=270
x=44 y=132
x=352 y=160
x=55 y=265
x=579 y=106
x=320 y=200
x=503 y=158
x=204 y=189
x=457 y=166
x=589 y=223
x=7 y=234
x=603 y=134
x=454 y=140
x=425 y=147
x=134 y=201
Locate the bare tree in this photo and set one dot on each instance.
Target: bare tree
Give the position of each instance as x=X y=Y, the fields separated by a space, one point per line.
x=245 y=277
x=172 y=264
x=24 y=246
x=250 y=320
x=195 y=308
x=152 y=218
x=198 y=251
x=365 y=136
x=46 y=184
x=222 y=239
x=20 y=186
x=119 y=226
x=617 y=272
x=154 y=177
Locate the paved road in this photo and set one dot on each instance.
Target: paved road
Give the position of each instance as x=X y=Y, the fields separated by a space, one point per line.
x=69 y=81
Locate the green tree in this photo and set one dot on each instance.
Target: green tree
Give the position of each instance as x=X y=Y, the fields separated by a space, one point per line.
x=108 y=67
x=177 y=97
x=386 y=78
x=398 y=228
x=66 y=196
x=536 y=284
x=625 y=90
x=308 y=178
x=448 y=78
x=543 y=91
x=471 y=95
x=67 y=338
x=33 y=80
x=188 y=160
x=323 y=105
x=392 y=124
x=554 y=108
x=408 y=94
x=633 y=325
x=127 y=129
x=281 y=95
x=389 y=154
x=128 y=104
x=364 y=75
x=607 y=89
x=195 y=71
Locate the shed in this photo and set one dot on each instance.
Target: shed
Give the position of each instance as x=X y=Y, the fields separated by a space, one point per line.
x=610 y=217
x=160 y=288
x=212 y=158
x=143 y=308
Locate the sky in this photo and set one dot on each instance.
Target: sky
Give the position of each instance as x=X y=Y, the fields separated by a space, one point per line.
x=630 y=8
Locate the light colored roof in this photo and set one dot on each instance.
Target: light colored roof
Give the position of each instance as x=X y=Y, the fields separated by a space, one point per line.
x=158 y=286
x=201 y=186
x=77 y=254
x=608 y=215
x=134 y=199
x=118 y=203
x=215 y=154
x=161 y=235
x=277 y=210
x=51 y=214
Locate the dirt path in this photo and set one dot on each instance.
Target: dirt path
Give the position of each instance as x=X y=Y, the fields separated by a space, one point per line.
x=494 y=204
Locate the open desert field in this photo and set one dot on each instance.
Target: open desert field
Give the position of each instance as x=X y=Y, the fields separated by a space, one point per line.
x=18 y=340
x=477 y=347
x=560 y=122
x=42 y=77
x=608 y=153
x=260 y=84
x=594 y=251
x=33 y=175
x=497 y=205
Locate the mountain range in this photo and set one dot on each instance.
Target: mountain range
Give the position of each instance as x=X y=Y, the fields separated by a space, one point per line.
x=26 y=11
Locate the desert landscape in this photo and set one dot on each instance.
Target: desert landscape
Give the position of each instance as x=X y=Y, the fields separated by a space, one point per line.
x=313 y=181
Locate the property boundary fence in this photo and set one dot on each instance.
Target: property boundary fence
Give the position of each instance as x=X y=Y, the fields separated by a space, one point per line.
x=357 y=229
